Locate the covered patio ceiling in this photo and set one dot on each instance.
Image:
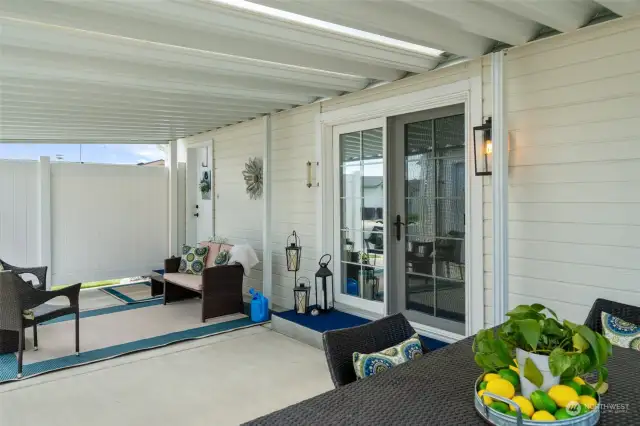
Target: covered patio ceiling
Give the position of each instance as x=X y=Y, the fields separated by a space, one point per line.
x=152 y=71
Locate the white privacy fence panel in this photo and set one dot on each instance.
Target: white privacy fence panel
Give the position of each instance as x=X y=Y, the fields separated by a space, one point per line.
x=19 y=233
x=108 y=221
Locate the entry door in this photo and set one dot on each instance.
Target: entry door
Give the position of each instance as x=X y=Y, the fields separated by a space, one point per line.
x=428 y=211
x=199 y=203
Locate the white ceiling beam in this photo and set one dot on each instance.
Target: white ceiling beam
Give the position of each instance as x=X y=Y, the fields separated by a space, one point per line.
x=622 y=7
x=100 y=91
x=70 y=122
x=564 y=15
x=391 y=19
x=43 y=133
x=51 y=125
x=483 y=19
x=8 y=106
x=14 y=57
x=318 y=54
x=86 y=142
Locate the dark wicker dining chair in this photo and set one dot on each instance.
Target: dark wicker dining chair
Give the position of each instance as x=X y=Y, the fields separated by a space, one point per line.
x=23 y=306
x=40 y=272
x=627 y=313
x=339 y=345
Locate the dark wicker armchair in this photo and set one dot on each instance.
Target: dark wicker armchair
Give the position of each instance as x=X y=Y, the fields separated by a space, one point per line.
x=620 y=310
x=40 y=272
x=339 y=345
x=23 y=306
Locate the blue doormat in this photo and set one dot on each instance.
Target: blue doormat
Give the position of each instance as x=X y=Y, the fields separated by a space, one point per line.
x=335 y=320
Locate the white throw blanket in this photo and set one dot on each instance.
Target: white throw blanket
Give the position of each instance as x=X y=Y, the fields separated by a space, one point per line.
x=245 y=255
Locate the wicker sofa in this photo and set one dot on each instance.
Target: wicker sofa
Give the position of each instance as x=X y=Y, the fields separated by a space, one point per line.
x=219 y=287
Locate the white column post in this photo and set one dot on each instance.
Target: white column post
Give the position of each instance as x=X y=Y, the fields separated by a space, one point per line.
x=500 y=176
x=173 y=198
x=267 y=266
x=44 y=215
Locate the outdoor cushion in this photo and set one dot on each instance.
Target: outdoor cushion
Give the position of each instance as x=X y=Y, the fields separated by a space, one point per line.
x=367 y=365
x=193 y=259
x=621 y=333
x=191 y=281
x=214 y=249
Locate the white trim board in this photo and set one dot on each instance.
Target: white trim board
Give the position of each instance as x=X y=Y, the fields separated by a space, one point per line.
x=467 y=91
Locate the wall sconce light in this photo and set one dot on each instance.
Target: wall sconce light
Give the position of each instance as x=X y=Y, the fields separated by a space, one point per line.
x=311 y=178
x=483 y=149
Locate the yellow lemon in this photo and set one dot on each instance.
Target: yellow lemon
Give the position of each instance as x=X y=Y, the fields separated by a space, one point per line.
x=501 y=387
x=525 y=405
x=578 y=380
x=485 y=399
x=588 y=402
x=543 y=416
x=563 y=395
x=491 y=376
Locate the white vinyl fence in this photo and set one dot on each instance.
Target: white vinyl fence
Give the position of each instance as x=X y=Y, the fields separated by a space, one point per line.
x=87 y=222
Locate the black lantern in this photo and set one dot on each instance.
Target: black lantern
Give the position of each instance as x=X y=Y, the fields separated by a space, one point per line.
x=321 y=277
x=483 y=148
x=292 y=252
x=301 y=294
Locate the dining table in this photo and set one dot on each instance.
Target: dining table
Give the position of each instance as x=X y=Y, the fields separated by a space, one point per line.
x=438 y=389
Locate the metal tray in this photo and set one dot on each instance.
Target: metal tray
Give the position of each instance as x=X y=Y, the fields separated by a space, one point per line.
x=498 y=419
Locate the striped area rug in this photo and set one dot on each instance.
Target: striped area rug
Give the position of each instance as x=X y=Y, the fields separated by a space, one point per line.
x=115 y=331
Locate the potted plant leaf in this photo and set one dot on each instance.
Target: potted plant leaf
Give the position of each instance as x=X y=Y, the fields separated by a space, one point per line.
x=547 y=350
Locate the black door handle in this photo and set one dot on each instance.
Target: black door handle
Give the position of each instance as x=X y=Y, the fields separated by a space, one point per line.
x=196 y=214
x=398 y=225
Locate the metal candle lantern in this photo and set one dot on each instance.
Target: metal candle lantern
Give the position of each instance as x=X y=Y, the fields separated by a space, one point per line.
x=322 y=275
x=292 y=251
x=301 y=295
x=483 y=148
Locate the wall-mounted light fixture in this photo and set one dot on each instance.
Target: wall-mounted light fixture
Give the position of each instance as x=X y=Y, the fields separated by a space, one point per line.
x=311 y=178
x=483 y=148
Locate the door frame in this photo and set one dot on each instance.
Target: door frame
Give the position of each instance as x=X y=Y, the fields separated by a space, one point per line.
x=357 y=302
x=467 y=91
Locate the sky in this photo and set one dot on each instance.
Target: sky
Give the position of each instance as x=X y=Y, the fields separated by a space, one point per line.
x=91 y=153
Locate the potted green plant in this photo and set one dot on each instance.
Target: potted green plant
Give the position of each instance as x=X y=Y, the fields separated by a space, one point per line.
x=548 y=351
x=205 y=186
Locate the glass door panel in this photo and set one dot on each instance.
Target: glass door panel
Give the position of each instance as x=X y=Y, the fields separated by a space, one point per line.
x=431 y=273
x=361 y=219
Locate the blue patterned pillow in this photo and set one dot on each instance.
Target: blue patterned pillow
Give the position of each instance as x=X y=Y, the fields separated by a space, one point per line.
x=620 y=333
x=193 y=260
x=369 y=364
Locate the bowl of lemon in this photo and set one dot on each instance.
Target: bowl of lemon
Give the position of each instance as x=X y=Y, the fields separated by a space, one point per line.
x=499 y=401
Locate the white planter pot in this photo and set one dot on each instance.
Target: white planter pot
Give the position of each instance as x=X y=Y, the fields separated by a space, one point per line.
x=542 y=362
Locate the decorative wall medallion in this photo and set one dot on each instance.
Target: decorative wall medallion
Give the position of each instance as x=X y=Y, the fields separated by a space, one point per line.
x=253 y=177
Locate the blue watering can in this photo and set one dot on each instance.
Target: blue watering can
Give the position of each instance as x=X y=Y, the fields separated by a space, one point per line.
x=259 y=306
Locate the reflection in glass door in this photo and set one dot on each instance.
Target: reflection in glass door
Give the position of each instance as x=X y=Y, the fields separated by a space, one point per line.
x=430 y=201
x=361 y=216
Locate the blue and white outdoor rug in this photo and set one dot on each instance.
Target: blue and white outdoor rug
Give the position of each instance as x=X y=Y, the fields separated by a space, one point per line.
x=114 y=331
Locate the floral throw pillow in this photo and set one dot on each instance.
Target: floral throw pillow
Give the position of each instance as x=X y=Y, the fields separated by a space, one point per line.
x=621 y=333
x=222 y=258
x=367 y=365
x=193 y=260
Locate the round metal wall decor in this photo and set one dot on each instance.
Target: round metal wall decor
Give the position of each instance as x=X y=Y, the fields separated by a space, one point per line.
x=253 y=177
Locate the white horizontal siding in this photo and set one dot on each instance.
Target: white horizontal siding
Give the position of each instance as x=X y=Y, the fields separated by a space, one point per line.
x=293 y=143
x=237 y=218
x=574 y=228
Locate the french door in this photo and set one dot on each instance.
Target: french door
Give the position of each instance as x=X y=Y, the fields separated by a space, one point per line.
x=427 y=181
x=360 y=202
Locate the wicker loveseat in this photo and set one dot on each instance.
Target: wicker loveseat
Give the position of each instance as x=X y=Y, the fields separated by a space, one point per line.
x=219 y=287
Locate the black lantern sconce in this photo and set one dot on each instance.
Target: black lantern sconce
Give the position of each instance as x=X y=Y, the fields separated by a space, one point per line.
x=483 y=149
x=292 y=252
x=324 y=276
x=301 y=293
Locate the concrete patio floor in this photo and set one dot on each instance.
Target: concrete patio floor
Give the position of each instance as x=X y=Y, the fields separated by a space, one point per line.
x=222 y=380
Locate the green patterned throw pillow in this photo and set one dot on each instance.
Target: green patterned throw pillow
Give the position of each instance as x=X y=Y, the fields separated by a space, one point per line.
x=193 y=260
x=621 y=333
x=367 y=365
x=222 y=258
